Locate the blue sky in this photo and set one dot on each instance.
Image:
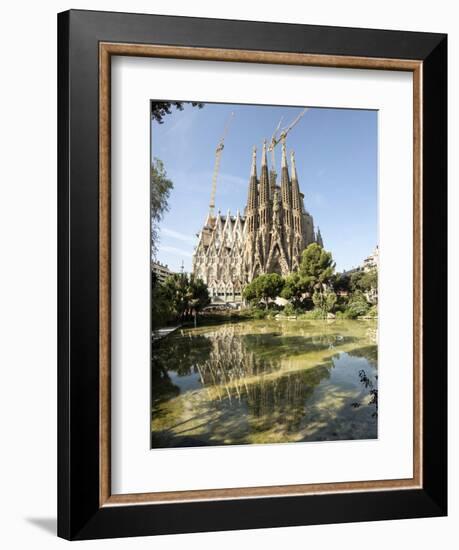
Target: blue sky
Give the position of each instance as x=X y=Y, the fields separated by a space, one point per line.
x=336 y=158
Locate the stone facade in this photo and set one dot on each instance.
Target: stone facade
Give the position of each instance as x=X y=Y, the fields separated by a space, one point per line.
x=268 y=238
x=161 y=271
x=372 y=262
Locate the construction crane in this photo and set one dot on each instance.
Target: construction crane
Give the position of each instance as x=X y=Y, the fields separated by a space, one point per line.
x=218 y=155
x=273 y=144
x=275 y=140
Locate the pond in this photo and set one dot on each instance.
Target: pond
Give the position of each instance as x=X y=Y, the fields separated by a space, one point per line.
x=265 y=381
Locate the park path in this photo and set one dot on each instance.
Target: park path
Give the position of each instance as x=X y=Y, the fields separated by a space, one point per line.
x=163 y=332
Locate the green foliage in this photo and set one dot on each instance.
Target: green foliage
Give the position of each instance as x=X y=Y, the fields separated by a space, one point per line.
x=355 y=280
x=314 y=274
x=324 y=301
x=369 y=280
x=160 y=189
x=289 y=310
x=179 y=297
x=259 y=313
x=357 y=305
x=362 y=289
x=341 y=303
x=316 y=268
x=198 y=294
x=263 y=288
x=312 y=314
x=342 y=282
x=364 y=280
x=160 y=109
x=291 y=286
x=373 y=311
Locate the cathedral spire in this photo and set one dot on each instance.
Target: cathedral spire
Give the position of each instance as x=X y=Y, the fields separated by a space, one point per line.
x=292 y=162
x=264 y=202
x=252 y=199
x=264 y=160
x=319 y=240
x=296 y=200
x=286 y=190
x=254 y=162
x=284 y=154
x=264 y=179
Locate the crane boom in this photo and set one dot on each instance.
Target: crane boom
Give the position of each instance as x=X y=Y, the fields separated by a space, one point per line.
x=218 y=155
x=273 y=144
x=294 y=123
x=275 y=140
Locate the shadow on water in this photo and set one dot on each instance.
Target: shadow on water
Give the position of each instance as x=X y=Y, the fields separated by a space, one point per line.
x=263 y=382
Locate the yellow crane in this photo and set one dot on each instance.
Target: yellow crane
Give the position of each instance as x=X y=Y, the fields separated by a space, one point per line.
x=218 y=155
x=275 y=140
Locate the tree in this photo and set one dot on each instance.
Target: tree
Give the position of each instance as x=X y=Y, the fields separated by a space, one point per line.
x=357 y=305
x=293 y=287
x=160 y=189
x=316 y=268
x=290 y=286
x=366 y=282
x=342 y=282
x=355 y=280
x=263 y=288
x=160 y=109
x=199 y=294
x=315 y=276
x=369 y=279
x=324 y=301
x=184 y=294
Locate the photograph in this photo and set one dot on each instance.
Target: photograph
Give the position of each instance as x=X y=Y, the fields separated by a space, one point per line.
x=252 y=252
x=264 y=274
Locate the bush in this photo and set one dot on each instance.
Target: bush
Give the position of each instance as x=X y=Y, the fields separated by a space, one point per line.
x=373 y=311
x=259 y=313
x=289 y=310
x=312 y=314
x=341 y=304
x=357 y=305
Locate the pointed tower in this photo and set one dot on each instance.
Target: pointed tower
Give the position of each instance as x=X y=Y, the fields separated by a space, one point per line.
x=297 y=204
x=297 y=216
x=264 y=209
x=264 y=201
x=252 y=199
x=286 y=192
x=319 y=240
x=272 y=176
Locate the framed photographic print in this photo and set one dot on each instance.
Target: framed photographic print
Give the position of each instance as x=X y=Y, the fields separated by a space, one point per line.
x=252 y=275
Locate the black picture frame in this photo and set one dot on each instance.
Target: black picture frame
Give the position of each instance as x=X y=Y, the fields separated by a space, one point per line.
x=80 y=515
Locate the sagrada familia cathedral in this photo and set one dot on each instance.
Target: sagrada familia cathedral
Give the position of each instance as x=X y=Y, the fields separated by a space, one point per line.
x=269 y=237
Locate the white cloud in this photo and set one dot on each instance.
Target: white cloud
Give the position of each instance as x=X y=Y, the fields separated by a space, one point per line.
x=183 y=124
x=228 y=185
x=174 y=250
x=177 y=235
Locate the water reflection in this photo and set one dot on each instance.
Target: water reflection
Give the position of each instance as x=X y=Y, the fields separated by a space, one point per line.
x=264 y=382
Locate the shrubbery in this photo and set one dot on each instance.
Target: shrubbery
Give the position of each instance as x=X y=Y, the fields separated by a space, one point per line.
x=314 y=291
x=357 y=305
x=177 y=299
x=289 y=310
x=373 y=311
x=312 y=314
x=258 y=313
